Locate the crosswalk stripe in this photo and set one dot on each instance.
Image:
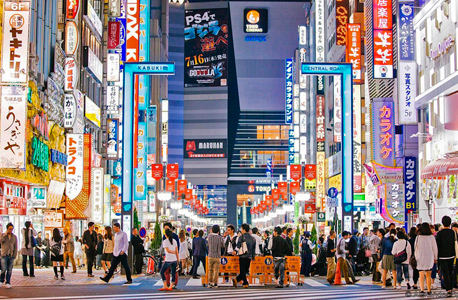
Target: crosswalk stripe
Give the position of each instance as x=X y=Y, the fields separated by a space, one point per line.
x=312 y=282
x=159 y=283
x=194 y=282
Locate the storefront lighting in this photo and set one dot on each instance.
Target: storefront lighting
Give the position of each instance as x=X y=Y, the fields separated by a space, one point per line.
x=164 y=196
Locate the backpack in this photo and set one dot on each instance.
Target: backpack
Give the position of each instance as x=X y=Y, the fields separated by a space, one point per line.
x=339 y=251
x=55 y=249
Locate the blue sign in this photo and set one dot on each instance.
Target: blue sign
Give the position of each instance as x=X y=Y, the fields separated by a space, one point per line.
x=406 y=32
x=144 y=81
x=223 y=261
x=268 y=261
x=255 y=38
x=410 y=178
x=289 y=91
x=333 y=192
x=58 y=157
x=269 y=168
x=291 y=146
x=142 y=232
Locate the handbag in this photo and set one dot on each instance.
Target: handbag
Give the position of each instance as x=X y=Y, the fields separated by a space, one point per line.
x=413 y=260
x=243 y=248
x=401 y=256
x=33 y=241
x=368 y=253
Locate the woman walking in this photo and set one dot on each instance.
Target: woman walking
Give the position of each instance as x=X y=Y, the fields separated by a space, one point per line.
x=402 y=252
x=108 y=246
x=28 y=242
x=425 y=250
x=78 y=252
x=388 y=258
x=57 y=253
x=170 y=247
x=183 y=253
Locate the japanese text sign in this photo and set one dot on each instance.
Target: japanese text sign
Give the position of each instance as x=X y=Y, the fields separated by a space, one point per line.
x=383 y=131
x=289 y=91
x=74 y=175
x=353 y=50
x=410 y=179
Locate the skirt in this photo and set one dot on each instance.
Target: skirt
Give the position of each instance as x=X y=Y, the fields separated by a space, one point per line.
x=388 y=263
x=28 y=252
x=57 y=258
x=107 y=256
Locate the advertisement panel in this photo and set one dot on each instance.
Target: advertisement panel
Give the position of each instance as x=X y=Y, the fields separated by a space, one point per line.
x=113 y=61
x=113 y=139
x=203 y=148
x=337 y=109
x=74 y=170
x=320 y=178
x=382 y=19
x=97 y=195
x=70 y=74
x=69 y=111
x=114 y=31
x=319 y=31
x=357 y=135
x=72 y=8
x=15 y=42
x=172 y=171
x=406 y=33
x=407 y=81
x=320 y=119
x=206 y=50
x=71 y=38
x=114 y=8
x=289 y=91
x=92 y=111
x=410 y=179
x=157 y=171
x=13 y=123
x=296 y=172
x=255 y=20
x=353 y=50
x=383 y=134
x=140 y=171
x=342 y=15
x=113 y=94
x=133 y=30
x=93 y=64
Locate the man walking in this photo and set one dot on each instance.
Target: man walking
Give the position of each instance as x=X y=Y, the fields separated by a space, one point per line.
x=121 y=245
x=341 y=252
x=215 y=246
x=246 y=245
x=446 y=253
x=353 y=250
x=69 y=248
x=199 y=251
x=90 y=245
x=254 y=234
x=279 y=250
x=137 y=243
x=331 y=256
x=8 y=242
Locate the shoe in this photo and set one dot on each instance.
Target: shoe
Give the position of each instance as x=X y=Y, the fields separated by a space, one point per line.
x=330 y=282
x=63 y=277
x=408 y=286
x=215 y=286
x=415 y=287
x=422 y=293
x=398 y=287
x=104 y=279
x=55 y=277
x=90 y=275
x=25 y=275
x=210 y=286
x=8 y=286
x=356 y=280
x=128 y=282
x=245 y=286
x=234 y=282
x=449 y=294
x=195 y=277
x=279 y=287
x=169 y=289
x=429 y=293
x=433 y=287
x=32 y=275
x=74 y=272
x=383 y=287
x=163 y=289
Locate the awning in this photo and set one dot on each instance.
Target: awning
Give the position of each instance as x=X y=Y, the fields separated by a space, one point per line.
x=440 y=168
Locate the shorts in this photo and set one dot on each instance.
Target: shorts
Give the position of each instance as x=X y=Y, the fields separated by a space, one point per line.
x=107 y=256
x=59 y=258
x=388 y=263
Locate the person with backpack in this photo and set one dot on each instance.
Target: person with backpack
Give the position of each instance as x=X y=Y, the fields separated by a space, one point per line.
x=446 y=253
x=374 y=246
x=57 y=253
x=306 y=248
x=265 y=248
x=402 y=253
x=245 y=249
x=341 y=254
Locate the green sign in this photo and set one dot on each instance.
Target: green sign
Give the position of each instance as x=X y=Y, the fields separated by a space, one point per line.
x=40 y=157
x=321 y=216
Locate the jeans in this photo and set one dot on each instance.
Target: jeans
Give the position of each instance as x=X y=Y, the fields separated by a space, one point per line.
x=98 y=260
x=197 y=260
x=173 y=267
x=90 y=261
x=331 y=268
x=446 y=267
x=402 y=268
x=24 y=265
x=7 y=267
x=67 y=256
x=434 y=272
x=352 y=261
x=114 y=264
x=167 y=276
x=280 y=270
x=244 y=269
x=213 y=269
x=350 y=270
x=45 y=260
x=37 y=257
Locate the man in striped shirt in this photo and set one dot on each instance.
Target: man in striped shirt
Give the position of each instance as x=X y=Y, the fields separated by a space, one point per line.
x=215 y=247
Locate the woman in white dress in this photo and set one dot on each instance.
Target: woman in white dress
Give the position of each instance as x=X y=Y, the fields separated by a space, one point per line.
x=183 y=253
x=78 y=254
x=425 y=251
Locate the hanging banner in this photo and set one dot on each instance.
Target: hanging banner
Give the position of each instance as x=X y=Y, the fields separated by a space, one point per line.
x=71 y=38
x=133 y=30
x=75 y=167
x=97 y=195
x=357 y=136
x=320 y=119
x=407 y=81
x=172 y=171
x=112 y=139
x=353 y=50
x=383 y=39
x=113 y=94
x=342 y=15
x=140 y=171
x=72 y=8
x=13 y=127
x=289 y=91
x=337 y=110
x=170 y=186
x=283 y=188
x=113 y=63
x=55 y=192
x=406 y=32
x=276 y=195
x=114 y=8
x=294 y=187
x=69 y=111
x=410 y=179
x=295 y=172
x=383 y=134
x=144 y=54
x=182 y=186
x=157 y=171
x=106 y=199
x=291 y=146
x=15 y=42
x=114 y=31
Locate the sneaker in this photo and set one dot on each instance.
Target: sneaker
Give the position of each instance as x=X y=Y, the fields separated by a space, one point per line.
x=422 y=293
x=398 y=287
x=32 y=275
x=383 y=287
x=215 y=286
x=408 y=286
x=90 y=275
x=73 y=272
x=429 y=293
x=104 y=279
x=245 y=286
x=62 y=277
x=449 y=294
x=415 y=287
x=128 y=282
x=8 y=286
x=210 y=285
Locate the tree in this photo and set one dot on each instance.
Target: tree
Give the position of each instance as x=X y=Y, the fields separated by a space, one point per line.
x=296 y=241
x=136 y=223
x=157 y=239
x=313 y=238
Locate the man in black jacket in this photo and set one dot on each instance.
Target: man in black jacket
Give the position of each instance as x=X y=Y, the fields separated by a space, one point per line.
x=446 y=253
x=280 y=249
x=289 y=242
x=245 y=258
x=353 y=250
x=90 y=244
x=137 y=243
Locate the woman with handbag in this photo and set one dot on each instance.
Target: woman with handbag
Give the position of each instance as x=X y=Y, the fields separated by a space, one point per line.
x=245 y=249
x=27 y=245
x=57 y=253
x=388 y=258
x=425 y=250
x=402 y=252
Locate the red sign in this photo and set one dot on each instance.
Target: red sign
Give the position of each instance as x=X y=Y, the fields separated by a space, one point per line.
x=170 y=186
x=251 y=188
x=283 y=188
x=72 y=8
x=353 y=50
x=275 y=194
x=172 y=171
x=296 y=172
x=269 y=200
x=157 y=171
x=182 y=186
x=294 y=187
x=189 y=194
x=310 y=172
x=383 y=53
x=310 y=207
x=114 y=29
x=382 y=14
x=342 y=15
x=320 y=119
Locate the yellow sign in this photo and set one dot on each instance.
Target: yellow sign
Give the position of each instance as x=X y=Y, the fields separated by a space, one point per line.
x=336 y=181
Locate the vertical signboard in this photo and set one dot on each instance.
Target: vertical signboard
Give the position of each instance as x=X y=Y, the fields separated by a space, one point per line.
x=114 y=31
x=320 y=119
x=383 y=39
x=337 y=109
x=140 y=171
x=291 y=146
x=410 y=179
x=133 y=30
x=320 y=178
x=75 y=165
x=113 y=95
x=113 y=139
x=206 y=36
x=319 y=31
x=357 y=134
x=289 y=91
x=353 y=50
x=70 y=74
x=144 y=80
x=106 y=200
x=13 y=119
x=97 y=195
x=342 y=15
x=406 y=33
x=69 y=111
x=407 y=82
x=15 y=42
x=383 y=134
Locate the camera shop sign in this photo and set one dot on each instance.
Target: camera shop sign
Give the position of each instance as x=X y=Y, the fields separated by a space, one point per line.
x=442 y=48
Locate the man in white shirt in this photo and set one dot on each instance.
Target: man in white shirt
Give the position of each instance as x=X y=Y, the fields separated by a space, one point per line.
x=341 y=254
x=231 y=240
x=254 y=234
x=121 y=245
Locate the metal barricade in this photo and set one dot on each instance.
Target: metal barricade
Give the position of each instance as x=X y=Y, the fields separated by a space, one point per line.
x=293 y=270
x=229 y=268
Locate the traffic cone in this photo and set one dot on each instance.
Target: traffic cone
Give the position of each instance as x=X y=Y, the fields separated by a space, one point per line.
x=338 y=277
